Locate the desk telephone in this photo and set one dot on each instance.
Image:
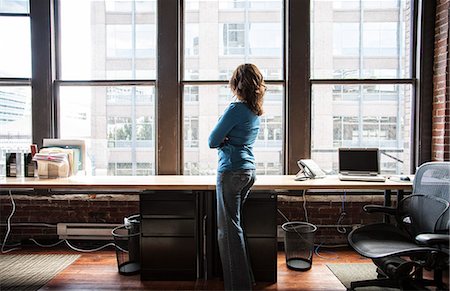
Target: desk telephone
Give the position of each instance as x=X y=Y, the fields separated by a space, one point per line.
x=308 y=170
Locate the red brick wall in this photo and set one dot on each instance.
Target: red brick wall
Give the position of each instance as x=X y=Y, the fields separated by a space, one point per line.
x=325 y=215
x=441 y=102
x=53 y=211
x=322 y=211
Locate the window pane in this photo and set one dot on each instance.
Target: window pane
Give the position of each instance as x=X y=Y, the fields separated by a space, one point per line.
x=14 y=6
x=201 y=114
x=361 y=39
x=15 y=122
x=220 y=35
x=374 y=116
x=15 y=50
x=108 y=39
x=117 y=123
x=129 y=5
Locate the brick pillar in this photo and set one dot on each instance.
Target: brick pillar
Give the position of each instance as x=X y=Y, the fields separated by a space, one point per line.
x=441 y=102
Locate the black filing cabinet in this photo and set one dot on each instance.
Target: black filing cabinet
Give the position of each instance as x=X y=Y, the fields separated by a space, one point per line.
x=169 y=235
x=260 y=224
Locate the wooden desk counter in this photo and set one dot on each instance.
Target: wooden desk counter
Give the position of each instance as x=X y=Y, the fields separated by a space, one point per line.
x=181 y=182
x=332 y=182
x=139 y=183
x=178 y=229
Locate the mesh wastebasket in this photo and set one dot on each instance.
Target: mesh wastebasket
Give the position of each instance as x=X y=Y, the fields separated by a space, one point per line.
x=299 y=244
x=126 y=239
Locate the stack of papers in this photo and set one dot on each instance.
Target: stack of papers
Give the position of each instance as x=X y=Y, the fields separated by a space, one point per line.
x=51 y=157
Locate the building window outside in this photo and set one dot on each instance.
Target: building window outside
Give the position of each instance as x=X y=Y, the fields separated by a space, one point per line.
x=232 y=4
x=267 y=168
x=119 y=45
x=373 y=43
x=345 y=131
x=270 y=134
x=382 y=122
x=346 y=92
x=119 y=41
x=191 y=168
x=382 y=41
x=15 y=91
x=116 y=95
x=345 y=109
x=191 y=127
x=241 y=4
x=129 y=6
x=191 y=94
x=233 y=38
x=125 y=169
x=119 y=132
x=233 y=43
x=191 y=39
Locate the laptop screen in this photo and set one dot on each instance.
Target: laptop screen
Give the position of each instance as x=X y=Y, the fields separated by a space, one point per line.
x=358 y=161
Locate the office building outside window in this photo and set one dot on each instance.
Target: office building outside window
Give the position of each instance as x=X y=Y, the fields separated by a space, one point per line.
x=221 y=44
x=15 y=76
x=350 y=41
x=106 y=82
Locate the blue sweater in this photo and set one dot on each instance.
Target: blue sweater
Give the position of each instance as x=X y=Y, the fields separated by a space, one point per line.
x=234 y=136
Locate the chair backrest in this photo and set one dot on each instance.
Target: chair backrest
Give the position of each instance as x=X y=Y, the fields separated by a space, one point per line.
x=433 y=179
x=419 y=214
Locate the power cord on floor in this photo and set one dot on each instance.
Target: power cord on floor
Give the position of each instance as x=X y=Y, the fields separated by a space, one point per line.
x=92 y=250
x=45 y=246
x=316 y=252
x=8 y=230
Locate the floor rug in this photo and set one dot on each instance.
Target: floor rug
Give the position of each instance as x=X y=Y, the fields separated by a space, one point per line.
x=346 y=273
x=31 y=272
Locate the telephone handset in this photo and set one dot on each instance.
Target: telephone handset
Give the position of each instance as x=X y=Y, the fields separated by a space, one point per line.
x=309 y=169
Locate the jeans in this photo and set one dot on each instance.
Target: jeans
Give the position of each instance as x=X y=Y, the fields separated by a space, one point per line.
x=232 y=190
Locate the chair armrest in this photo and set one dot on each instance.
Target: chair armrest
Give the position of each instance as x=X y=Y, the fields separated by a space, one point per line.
x=380 y=208
x=432 y=239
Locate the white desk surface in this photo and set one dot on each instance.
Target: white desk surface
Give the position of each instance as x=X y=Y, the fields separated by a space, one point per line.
x=180 y=182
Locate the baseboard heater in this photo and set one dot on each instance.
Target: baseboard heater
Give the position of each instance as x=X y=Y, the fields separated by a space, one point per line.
x=85 y=231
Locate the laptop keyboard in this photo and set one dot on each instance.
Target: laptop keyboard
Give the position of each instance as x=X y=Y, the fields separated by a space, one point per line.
x=362 y=178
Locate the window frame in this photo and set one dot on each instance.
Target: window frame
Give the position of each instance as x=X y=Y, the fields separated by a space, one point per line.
x=60 y=82
x=281 y=82
x=296 y=80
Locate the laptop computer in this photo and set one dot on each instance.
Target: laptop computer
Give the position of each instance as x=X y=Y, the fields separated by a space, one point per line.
x=360 y=164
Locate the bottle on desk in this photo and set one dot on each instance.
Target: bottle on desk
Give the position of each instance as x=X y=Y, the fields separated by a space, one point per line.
x=30 y=165
x=14 y=165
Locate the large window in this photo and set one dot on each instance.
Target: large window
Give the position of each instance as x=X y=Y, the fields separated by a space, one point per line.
x=106 y=82
x=354 y=40
x=214 y=45
x=15 y=74
x=100 y=76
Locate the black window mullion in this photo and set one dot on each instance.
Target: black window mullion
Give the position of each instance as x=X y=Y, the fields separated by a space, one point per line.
x=423 y=105
x=298 y=97
x=168 y=98
x=42 y=44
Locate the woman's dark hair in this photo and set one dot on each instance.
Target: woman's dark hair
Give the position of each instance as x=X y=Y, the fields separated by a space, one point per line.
x=248 y=84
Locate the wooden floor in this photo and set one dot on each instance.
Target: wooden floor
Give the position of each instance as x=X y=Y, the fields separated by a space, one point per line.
x=98 y=271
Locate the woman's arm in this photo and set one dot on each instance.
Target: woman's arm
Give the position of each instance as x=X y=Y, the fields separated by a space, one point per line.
x=219 y=134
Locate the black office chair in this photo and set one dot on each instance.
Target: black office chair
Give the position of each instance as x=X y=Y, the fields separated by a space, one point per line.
x=420 y=238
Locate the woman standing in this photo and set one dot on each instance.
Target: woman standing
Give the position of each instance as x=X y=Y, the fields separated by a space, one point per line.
x=234 y=136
